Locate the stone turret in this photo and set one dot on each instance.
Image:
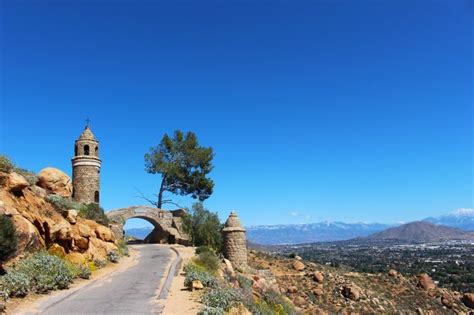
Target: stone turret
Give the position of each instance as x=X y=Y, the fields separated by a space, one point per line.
x=235 y=242
x=86 y=168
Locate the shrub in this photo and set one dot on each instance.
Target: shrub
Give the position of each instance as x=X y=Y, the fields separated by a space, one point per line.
x=223 y=298
x=46 y=272
x=15 y=284
x=84 y=272
x=5 y=164
x=8 y=238
x=99 y=263
x=92 y=211
x=203 y=227
x=113 y=257
x=122 y=248
x=208 y=260
x=195 y=272
x=209 y=310
x=202 y=249
x=62 y=203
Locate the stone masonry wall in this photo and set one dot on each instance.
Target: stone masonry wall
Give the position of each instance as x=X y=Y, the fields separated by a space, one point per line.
x=86 y=183
x=235 y=248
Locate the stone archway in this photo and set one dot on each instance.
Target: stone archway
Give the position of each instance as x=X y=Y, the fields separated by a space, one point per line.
x=167 y=224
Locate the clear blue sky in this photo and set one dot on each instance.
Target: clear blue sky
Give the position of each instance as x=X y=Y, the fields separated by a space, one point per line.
x=316 y=110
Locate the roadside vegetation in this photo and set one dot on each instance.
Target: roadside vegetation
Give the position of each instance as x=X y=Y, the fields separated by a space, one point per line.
x=223 y=294
x=8 y=238
x=203 y=227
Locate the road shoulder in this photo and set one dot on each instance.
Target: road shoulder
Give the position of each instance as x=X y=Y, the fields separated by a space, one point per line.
x=180 y=300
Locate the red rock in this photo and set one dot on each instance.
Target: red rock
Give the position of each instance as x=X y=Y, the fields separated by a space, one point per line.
x=318 y=276
x=425 y=282
x=298 y=265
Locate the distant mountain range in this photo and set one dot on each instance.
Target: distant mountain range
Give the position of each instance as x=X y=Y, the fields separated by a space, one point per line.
x=461 y=218
x=339 y=231
x=421 y=232
x=312 y=232
x=331 y=231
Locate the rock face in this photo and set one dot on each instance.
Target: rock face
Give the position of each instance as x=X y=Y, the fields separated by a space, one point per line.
x=235 y=242
x=298 y=265
x=40 y=226
x=425 y=282
x=468 y=300
x=16 y=182
x=55 y=181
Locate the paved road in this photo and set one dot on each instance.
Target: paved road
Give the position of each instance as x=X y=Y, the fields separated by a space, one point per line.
x=132 y=291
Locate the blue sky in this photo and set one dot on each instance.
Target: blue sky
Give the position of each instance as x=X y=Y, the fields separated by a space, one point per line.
x=316 y=110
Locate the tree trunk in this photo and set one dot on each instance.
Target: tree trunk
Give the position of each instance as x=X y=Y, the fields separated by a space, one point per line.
x=160 y=193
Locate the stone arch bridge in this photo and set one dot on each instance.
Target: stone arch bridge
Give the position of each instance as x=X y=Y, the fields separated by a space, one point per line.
x=167 y=224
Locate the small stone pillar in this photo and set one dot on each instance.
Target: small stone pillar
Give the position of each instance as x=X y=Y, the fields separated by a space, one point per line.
x=235 y=242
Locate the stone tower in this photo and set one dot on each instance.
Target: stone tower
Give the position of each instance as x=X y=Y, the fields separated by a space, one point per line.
x=86 y=168
x=235 y=242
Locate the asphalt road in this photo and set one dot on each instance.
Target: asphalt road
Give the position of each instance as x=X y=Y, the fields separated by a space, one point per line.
x=133 y=291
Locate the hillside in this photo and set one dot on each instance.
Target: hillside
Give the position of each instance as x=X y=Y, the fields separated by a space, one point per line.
x=321 y=289
x=421 y=231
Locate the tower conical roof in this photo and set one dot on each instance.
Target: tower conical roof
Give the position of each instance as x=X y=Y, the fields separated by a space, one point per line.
x=87 y=134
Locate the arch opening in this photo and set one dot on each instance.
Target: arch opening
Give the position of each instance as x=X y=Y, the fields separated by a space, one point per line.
x=138 y=230
x=96 y=197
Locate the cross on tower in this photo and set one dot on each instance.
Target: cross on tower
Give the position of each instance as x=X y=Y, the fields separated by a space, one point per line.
x=88 y=122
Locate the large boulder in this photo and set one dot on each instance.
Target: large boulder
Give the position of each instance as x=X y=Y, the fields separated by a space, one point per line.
x=16 y=182
x=61 y=231
x=468 y=300
x=298 y=265
x=75 y=258
x=71 y=216
x=28 y=237
x=104 y=233
x=55 y=181
x=351 y=292
x=425 y=282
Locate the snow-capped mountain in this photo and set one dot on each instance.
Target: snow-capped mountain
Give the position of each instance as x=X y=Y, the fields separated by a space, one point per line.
x=461 y=218
x=312 y=232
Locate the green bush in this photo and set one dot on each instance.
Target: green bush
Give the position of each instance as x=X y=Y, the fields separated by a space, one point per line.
x=14 y=284
x=84 y=272
x=46 y=272
x=5 y=164
x=92 y=211
x=203 y=227
x=208 y=260
x=209 y=310
x=113 y=257
x=63 y=204
x=122 y=248
x=202 y=249
x=195 y=272
x=99 y=263
x=222 y=298
x=8 y=238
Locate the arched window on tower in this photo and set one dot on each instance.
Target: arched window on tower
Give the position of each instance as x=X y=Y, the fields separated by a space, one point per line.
x=75 y=150
x=96 y=197
x=96 y=151
x=86 y=150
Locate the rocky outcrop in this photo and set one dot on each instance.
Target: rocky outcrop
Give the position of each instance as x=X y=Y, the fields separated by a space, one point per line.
x=468 y=300
x=39 y=225
x=55 y=181
x=425 y=282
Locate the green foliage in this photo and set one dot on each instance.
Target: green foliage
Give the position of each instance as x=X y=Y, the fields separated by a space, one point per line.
x=39 y=273
x=14 y=284
x=122 y=248
x=94 y=212
x=113 y=257
x=63 y=204
x=84 y=272
x=6 y=165
x=46 y=272
x=208 y=260
x=203 y=227
x=221 y=298
x=99 y=263
x=209 y=310
x=203 y=248
x=195 y=272
x=183 y=165
x=8 y=238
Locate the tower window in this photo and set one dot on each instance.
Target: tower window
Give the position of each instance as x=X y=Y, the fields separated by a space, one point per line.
x=96 y=197
x=97 y=151
x=86 y=150
x=75 y=149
